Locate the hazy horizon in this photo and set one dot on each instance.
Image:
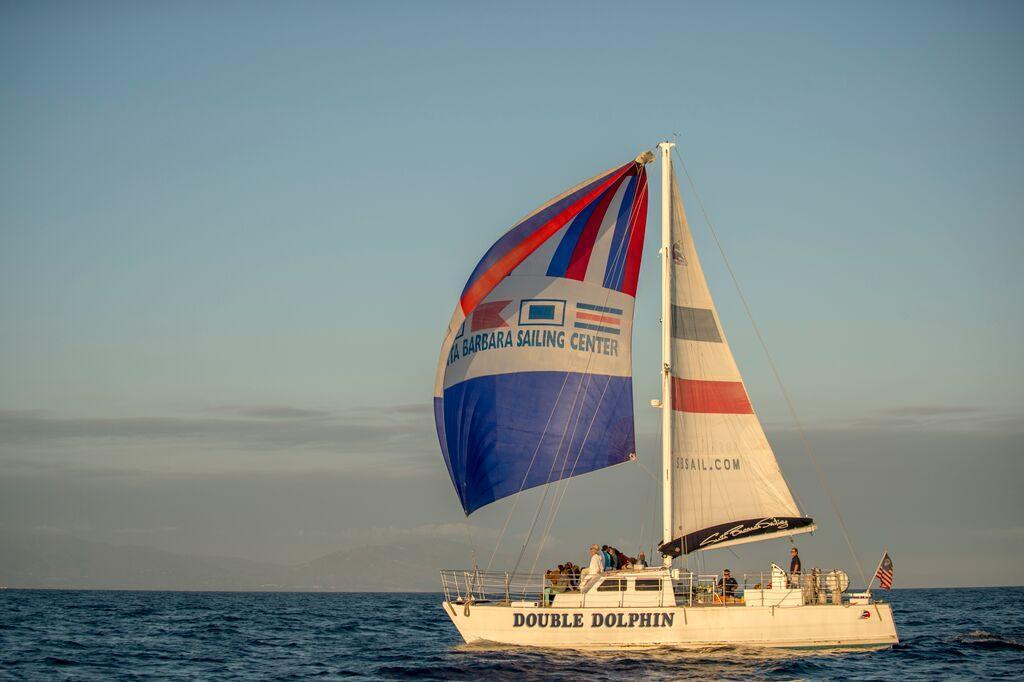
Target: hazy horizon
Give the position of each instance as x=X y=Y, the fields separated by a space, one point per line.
x=231 y=237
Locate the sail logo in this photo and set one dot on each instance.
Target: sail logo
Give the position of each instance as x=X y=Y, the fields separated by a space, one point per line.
x=739 y=530
x=541 y=312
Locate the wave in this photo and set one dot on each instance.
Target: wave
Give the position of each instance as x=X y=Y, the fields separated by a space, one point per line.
x=982 y=639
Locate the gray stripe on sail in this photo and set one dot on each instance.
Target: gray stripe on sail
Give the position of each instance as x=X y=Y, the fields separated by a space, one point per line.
x=694 y=324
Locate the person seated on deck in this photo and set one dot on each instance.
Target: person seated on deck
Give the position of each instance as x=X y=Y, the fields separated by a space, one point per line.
x=554 y=579
x=641 y=561
x=564 y=579
x=621 y=559
x=727 y=585
x=553 y=584
x=594 y=570
x=607 y=557
x=572 y=572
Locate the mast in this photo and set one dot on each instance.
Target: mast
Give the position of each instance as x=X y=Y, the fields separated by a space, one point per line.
x=666 y=344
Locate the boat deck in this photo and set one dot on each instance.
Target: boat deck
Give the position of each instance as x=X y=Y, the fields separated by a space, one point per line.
x=647 y=587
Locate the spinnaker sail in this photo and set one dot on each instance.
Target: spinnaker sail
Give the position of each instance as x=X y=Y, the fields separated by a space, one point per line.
x=534 y=382
x=727 y=487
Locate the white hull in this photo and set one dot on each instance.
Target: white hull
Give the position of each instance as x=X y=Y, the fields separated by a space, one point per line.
x=692 y=627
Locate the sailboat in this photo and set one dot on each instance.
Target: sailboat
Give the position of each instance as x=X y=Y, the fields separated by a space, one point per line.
x=534 y=386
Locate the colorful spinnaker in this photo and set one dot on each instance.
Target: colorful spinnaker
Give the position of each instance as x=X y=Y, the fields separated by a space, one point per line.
x=534 y=382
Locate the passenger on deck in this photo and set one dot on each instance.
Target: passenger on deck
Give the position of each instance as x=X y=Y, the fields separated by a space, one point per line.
x=727 y=584
x=621 y=560
x=641 y=561
x=594 y=570
x=572 y=572
x=794 y=565
x=607 y=557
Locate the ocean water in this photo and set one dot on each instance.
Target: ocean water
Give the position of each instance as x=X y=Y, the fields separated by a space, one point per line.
x=82 y=635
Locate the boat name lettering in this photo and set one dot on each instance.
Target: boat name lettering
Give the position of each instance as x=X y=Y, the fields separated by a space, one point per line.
x=597 y=620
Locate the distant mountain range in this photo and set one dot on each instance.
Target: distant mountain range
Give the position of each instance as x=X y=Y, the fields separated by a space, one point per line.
x=49 y=560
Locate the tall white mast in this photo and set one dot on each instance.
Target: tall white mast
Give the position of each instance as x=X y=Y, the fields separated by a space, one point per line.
x=666 y=343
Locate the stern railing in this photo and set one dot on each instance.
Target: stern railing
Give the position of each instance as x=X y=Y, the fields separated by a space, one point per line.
x=492 y=586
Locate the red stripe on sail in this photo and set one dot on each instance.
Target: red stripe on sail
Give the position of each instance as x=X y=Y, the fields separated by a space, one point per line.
x=713 y=397
x=638 y=223
x=490 y=279
x=488 y=315
x=577 y=268
x=602 y=319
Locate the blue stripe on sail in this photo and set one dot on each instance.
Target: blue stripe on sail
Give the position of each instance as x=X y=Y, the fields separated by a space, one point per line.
x=493 y=425
x=563 y=254
x=599 y=308
x=620 y=239
x=596 y=328
x=439 y=423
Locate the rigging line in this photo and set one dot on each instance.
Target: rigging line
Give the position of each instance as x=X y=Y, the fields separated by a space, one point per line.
x=547 y=487
x=540 y=441
x=654 y=496
x=564 y=483
x=472 y=545
x=785 y=394
x=556 y=506
x=515 y=502
x=618 y=266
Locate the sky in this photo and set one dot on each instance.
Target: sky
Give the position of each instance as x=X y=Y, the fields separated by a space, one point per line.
x=232 y=234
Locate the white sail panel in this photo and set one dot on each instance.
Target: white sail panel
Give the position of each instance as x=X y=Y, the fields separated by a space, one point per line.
x=727 y=485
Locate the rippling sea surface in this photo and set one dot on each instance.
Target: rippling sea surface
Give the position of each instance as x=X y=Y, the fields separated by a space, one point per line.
x=964 y=633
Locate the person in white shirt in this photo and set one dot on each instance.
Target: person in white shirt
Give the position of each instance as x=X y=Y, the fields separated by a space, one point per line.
x=594 y=570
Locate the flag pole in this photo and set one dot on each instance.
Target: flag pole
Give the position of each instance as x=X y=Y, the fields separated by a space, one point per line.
x=877 y=568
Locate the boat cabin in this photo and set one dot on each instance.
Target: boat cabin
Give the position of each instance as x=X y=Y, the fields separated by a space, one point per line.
x=644 y=587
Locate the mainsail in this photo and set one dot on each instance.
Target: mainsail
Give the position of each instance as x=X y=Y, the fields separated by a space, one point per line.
x=727 y=487
x=534 y=382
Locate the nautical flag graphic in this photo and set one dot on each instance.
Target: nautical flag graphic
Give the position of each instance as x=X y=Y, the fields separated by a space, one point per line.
x=542 y=312
x=598 y=318
x=488 y=315
x=884 y=572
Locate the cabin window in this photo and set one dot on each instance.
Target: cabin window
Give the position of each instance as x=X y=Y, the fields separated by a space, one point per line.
x=617 y=585
x=648 y=585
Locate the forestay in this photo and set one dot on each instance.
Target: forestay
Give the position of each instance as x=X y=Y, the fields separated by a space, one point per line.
x=727 y=487
x=534 y=383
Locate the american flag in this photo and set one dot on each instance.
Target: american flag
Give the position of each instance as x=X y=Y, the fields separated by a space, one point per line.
x=884 y=572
